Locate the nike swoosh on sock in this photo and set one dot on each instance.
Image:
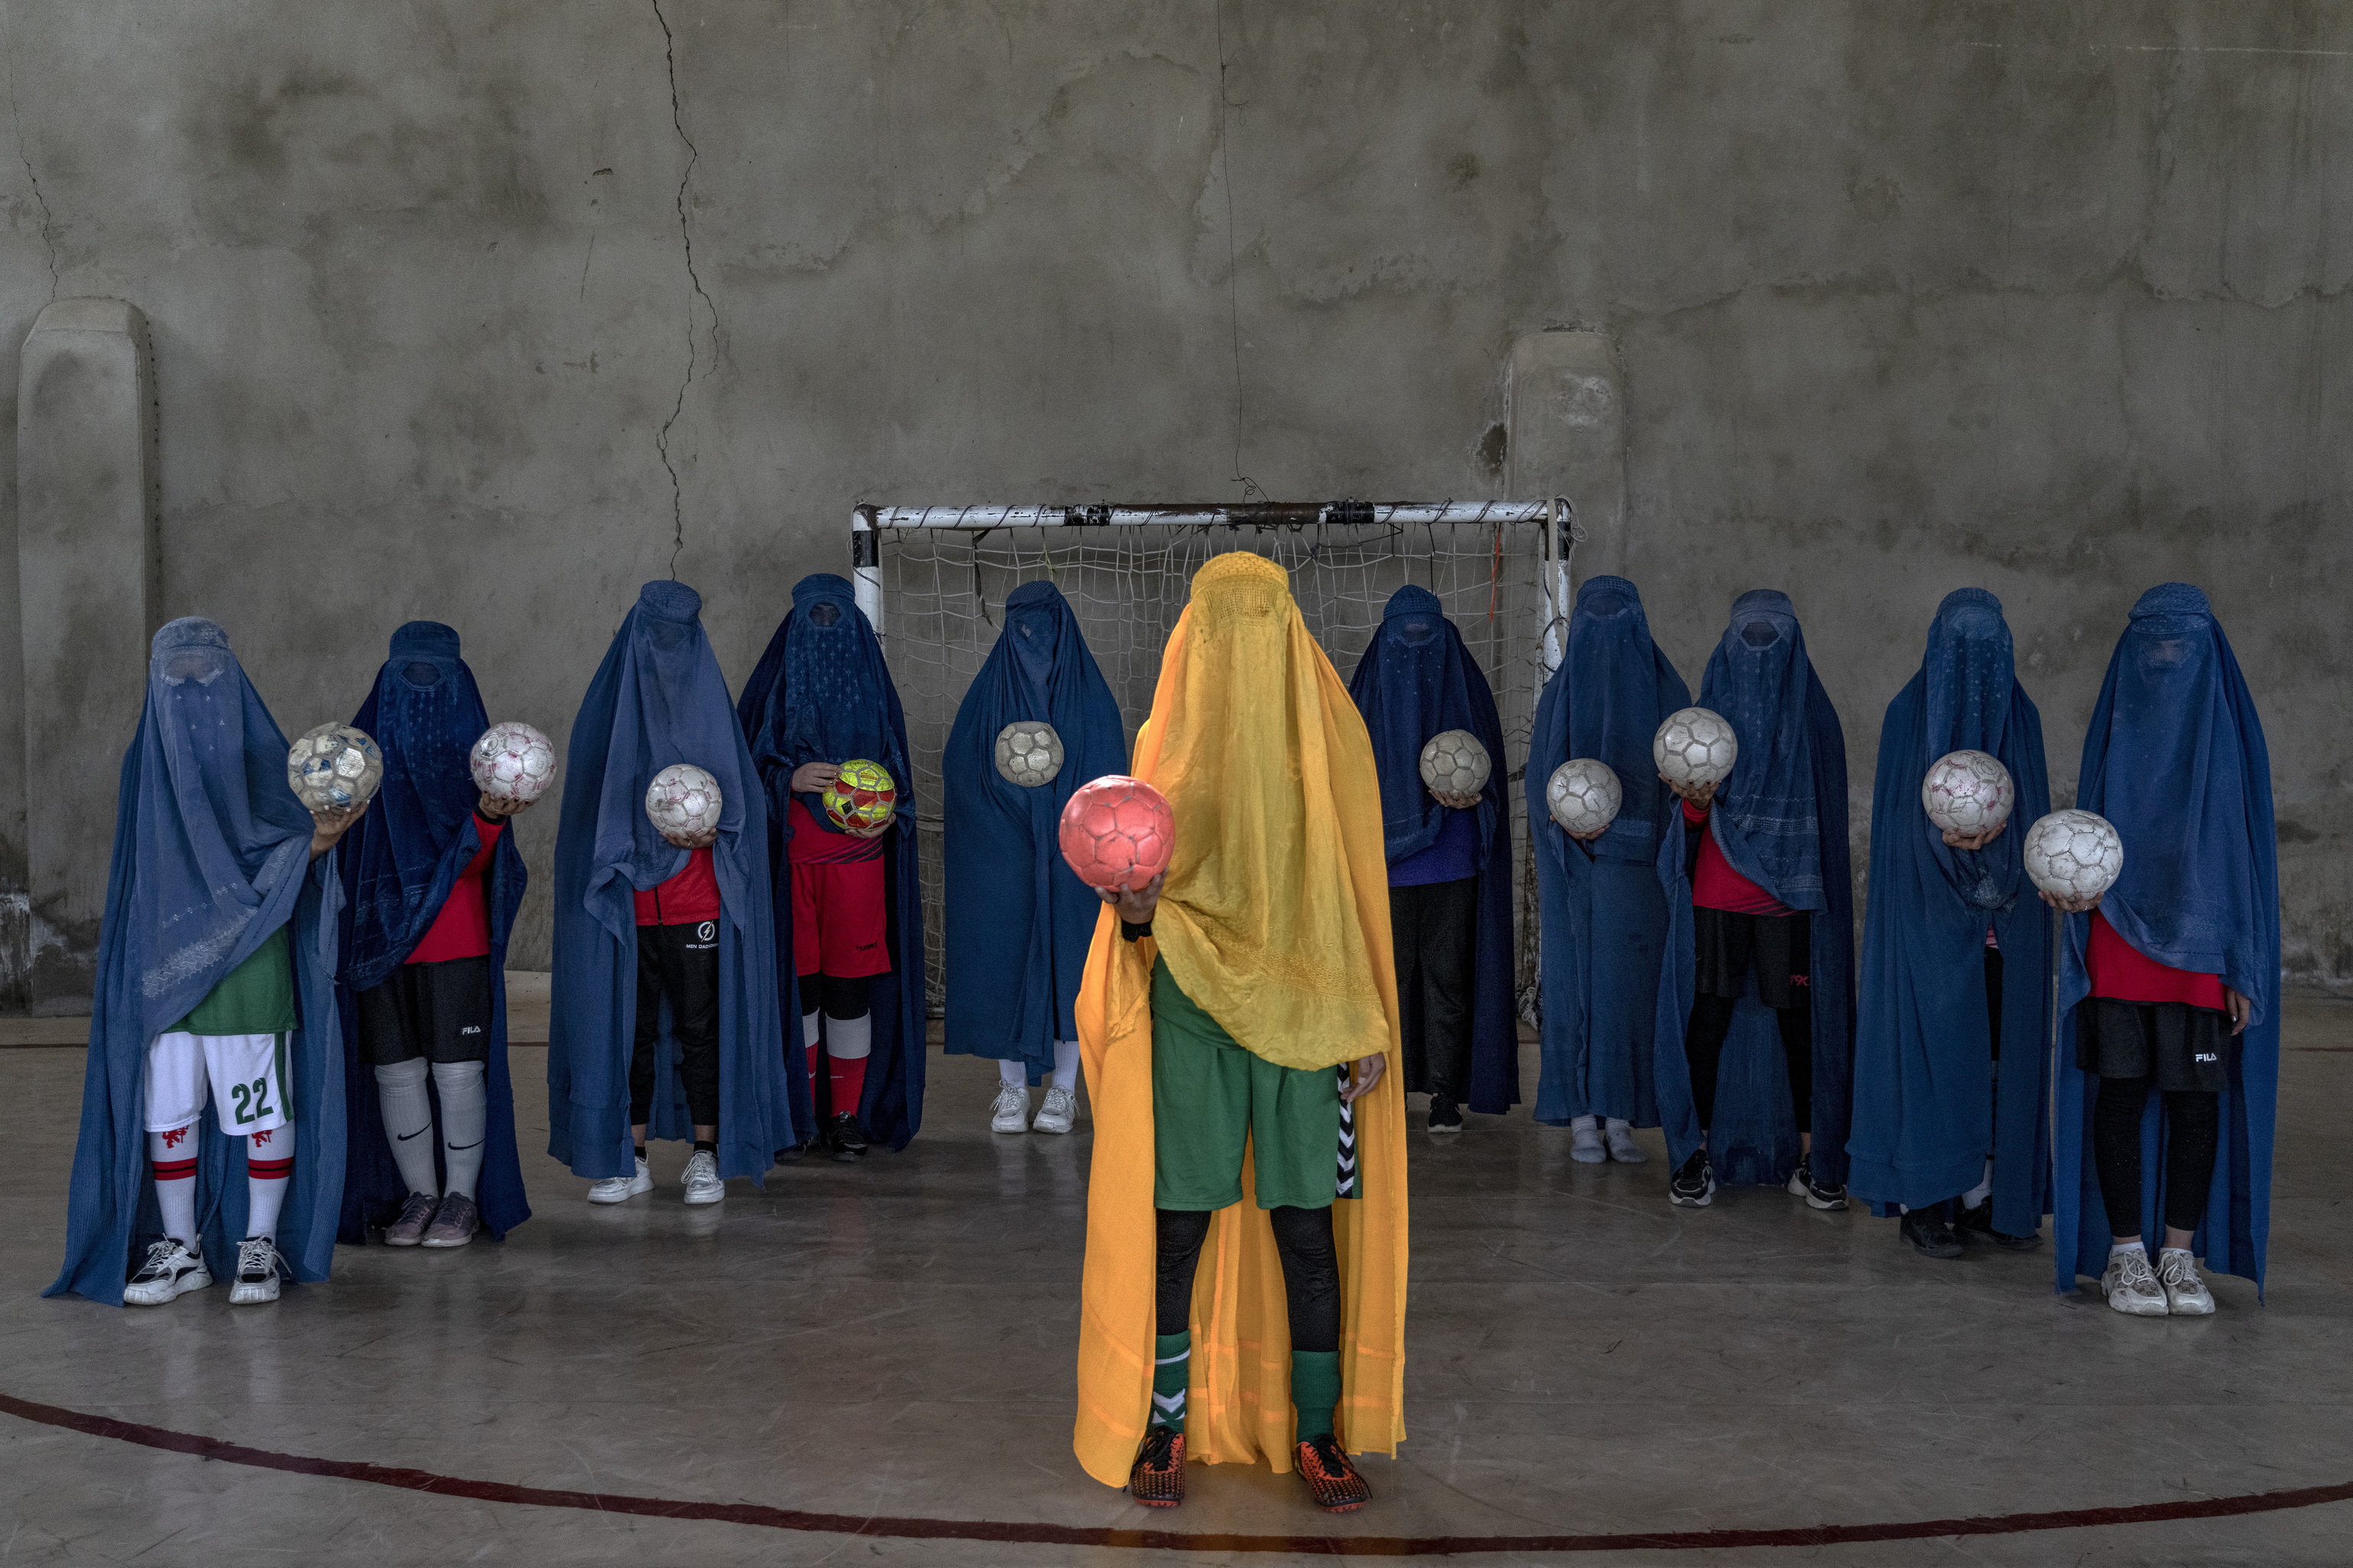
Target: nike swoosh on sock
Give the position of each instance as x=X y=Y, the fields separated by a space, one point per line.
x=461 y=1147
x=404 y=1136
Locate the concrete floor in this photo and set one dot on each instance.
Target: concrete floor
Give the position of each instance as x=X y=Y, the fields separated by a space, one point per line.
x=894 y=1340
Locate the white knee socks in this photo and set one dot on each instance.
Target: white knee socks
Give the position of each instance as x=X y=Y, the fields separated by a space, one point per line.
x=1014 y=1073
x=465 y=1122
x=1982 y=1191
x=408 y=1121
x=848 y=1039
x=268 y=1171
x=175 y=1192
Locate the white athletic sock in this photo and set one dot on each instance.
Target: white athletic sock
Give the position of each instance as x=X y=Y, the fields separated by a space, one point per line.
x=264 y=1198
x=848 y=1039
x=1982 y=1191
x=177 y=1198
x=808 y=1030
x=409 y=1122
x=465 y=1121
x=2115 y=1248
x=1617 y=1124
x=1585 y=1124
x=1066 y=1063
x=1013 y=1073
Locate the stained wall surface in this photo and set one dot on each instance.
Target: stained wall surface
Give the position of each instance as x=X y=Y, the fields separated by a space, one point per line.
x=488 y=312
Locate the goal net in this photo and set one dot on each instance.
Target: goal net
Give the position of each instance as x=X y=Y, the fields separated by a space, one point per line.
x=933 y=582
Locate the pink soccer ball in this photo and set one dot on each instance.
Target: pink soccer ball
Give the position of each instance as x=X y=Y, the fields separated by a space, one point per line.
x=1117 y=832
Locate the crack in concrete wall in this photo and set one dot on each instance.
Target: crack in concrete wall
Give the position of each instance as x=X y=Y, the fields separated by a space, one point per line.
x=40 y=198
x=686 y=239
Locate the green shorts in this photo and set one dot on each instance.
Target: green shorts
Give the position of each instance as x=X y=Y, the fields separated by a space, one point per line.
x=1211 y=1099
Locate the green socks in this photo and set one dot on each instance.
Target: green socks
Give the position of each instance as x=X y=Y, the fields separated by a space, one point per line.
x=1172 y=1365
x=1314 y=1392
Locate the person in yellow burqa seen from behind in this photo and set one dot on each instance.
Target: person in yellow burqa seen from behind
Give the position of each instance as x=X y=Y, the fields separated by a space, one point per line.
x=1239 y=1018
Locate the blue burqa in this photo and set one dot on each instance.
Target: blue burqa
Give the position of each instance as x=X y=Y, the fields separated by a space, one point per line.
x=1018 y=921
x=212 y=853
x=822 y=693
x=1604 y=916
x=1925 y=1111
x=1417 y=680
x=2175 y=759
x=1780 y=821
x=658 y=698
x=400 y=863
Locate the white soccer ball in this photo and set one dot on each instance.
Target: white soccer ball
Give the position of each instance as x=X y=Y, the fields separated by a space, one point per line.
x=1584 y=795
x=513 y=762
x=2074 y=855
x=1454 y=763
x=1967 y=792
x=1695 y=747
x=1029 y=753
x=334 y=765
x=683 y=800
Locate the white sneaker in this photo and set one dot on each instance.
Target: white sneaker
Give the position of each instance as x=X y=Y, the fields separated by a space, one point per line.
x=702 y=1182
x=1622 y=1146
x=2186 y=1294
x=257 y=1272
x=2131 y=1288
x=619 y=1189
x=170 y=1272
x=1585 y=1142
x=1011 y=1112
x=1061 y=1109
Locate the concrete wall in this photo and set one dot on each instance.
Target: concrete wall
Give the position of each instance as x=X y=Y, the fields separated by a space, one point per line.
x=489 y=311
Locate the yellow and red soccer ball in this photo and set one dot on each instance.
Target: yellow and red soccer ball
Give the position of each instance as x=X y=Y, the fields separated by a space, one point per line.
x=1117 y=832
x=862 y=795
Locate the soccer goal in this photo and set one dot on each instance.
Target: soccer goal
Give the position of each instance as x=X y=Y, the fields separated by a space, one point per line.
x=934 y=579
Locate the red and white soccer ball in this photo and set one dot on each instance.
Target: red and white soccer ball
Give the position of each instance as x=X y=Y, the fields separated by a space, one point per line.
x=1967 y=792
x=1584 y=795
x=2074 y=855
x=683 y=800
x=513 y=762
x=1453 y=762
x=1117 y=832
x=1695 y=747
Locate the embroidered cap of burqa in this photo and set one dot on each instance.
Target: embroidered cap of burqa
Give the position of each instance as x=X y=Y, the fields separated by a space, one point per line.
x=1604 y=917
x=212 y=853
x=400 y=863
x=2175 y=757
x=657 y=699
x=1925 y=1114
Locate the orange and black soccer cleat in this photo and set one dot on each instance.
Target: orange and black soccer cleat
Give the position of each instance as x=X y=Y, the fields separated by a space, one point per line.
x=1157 y=1480
x=1337 y=1486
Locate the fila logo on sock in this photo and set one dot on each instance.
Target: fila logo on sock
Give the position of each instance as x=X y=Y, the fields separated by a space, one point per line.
x=2208 y=1056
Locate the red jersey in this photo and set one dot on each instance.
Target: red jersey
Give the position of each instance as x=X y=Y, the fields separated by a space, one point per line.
x=819 y=843
x=462 y=929
x=1716 y=886
x=2122 y=972
x=689 y=896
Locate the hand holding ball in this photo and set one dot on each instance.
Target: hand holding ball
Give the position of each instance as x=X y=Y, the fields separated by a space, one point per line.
x=1584 y=795
x=2074 y=857
x=1117 y=834
x=862 y=798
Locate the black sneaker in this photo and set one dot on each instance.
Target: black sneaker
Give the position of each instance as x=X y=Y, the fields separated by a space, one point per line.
x=1930 y=1236
x=1977 y=1224
x=1445 y=1115
x=1817 y=1195
x=841 y=1136
x=1694 y=1185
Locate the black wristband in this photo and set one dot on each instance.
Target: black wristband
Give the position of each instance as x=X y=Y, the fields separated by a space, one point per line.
x=1130 y=931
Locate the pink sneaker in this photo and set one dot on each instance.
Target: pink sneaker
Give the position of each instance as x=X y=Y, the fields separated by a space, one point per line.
x=456 y=1222
x=414 y=1215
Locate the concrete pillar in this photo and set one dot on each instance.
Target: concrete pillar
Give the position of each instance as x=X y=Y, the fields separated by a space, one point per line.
x=88 y=565
x=1566 y=419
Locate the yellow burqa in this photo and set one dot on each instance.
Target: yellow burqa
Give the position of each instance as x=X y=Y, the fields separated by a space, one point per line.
x=1275 y=919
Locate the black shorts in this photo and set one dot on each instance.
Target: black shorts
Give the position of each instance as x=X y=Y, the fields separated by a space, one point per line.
x=2181 y=1046
x=1726 y=947
x=439 y=1012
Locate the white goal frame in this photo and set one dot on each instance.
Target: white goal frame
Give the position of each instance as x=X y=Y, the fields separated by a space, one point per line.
x=1376 y=538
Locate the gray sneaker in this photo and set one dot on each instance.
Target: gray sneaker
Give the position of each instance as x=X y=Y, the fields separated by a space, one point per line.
x=170 y=1272
x=455 y=1222
x=414 y=1215
x=2131 y=1288
x=1059 y=1111
x=702 y=1182
x=2186 y=1294
x=257 y=1264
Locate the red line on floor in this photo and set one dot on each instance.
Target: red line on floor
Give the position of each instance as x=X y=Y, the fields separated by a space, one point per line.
x=766 y=1517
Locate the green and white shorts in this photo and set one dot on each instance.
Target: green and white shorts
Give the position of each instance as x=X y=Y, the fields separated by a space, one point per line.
x=245 y=1074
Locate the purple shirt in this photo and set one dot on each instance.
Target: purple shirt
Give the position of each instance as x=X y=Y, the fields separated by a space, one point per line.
x=1452 y=856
